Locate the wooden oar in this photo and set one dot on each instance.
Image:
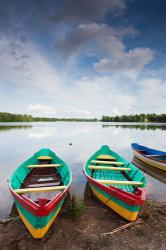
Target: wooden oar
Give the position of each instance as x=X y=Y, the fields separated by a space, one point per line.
x=42 y=189
x=106 y=157
x=44 y=166
x=133 y=183
x=109 y=168
x=108 y=162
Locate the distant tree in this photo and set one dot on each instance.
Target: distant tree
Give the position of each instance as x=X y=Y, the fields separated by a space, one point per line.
x=136 y=118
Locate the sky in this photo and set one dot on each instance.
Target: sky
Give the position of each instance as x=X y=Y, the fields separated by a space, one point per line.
x=74 y=58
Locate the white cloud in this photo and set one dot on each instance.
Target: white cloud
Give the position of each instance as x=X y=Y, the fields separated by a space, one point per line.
x=41 y=110
x=33 y=80
x=24 y=66
x=94 y=37
x=115 y=111
x=107 y=43
x=129 y=63
x=153 y=95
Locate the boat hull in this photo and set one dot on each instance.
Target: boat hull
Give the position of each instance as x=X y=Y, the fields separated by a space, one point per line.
x=38 y=219
x=39 y=212
x=125 y=201
x=128 y=212
x=156 y=164
x=126 y=205
x=38 y=226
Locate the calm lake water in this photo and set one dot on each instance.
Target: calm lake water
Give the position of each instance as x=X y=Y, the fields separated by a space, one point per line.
x=19 y=141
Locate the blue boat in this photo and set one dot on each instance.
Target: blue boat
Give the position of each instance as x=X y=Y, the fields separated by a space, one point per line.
x=151 y=156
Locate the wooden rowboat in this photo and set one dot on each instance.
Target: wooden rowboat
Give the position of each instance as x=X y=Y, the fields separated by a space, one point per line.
x=116 y=182
x=39 y=187
x=153 y=157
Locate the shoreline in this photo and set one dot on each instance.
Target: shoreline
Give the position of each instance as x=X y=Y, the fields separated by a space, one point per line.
x=92 y=230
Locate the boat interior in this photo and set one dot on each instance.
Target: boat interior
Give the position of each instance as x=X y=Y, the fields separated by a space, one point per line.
x=122 y=176
x=43 y=181
x=158 y=157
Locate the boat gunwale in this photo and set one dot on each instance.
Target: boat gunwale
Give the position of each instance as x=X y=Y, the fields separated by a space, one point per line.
x=155 y=160
x=32 y=206
x=35 y=208
x=131 y=199
x=136 y=146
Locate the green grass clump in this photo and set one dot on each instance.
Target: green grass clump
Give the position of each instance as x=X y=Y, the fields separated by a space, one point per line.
x=75 y=209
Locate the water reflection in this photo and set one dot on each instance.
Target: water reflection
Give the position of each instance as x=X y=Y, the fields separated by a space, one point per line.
x=41 y=132
x=150 y=170
x=6 y=128
x=20 y=141
x=137 y=126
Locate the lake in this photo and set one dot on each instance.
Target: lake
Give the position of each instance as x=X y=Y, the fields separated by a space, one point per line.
x=19 y=141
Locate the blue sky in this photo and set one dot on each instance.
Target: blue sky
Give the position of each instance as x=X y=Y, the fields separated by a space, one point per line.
x=88 y=58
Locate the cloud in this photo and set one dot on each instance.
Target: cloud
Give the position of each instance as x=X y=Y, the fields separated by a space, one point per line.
x=97 y=37
x=128 y=63
x=42 y=110
x=152 y=95
x=29 y=77
x=106 y=43
x=83 y=11
x=24 y=67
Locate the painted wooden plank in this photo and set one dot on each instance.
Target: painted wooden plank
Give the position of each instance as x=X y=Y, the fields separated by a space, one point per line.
x=154 y=155
x=43 y=166
x=133 y=183
x=106 y=157
x=41 y=189
x=109 y=168
x=44 y=158
x=108 y=162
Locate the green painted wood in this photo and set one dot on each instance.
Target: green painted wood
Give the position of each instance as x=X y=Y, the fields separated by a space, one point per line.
x=37 y=221
x=18 y=176
x=134 y=174
x=119 y=202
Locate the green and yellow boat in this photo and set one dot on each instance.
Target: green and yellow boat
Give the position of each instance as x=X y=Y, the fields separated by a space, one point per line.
x=39 y=187
x=116 y=182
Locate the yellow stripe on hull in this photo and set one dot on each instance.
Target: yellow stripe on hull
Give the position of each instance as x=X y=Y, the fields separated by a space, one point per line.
x=131 y=216
x=149 y=161
x=38 y=232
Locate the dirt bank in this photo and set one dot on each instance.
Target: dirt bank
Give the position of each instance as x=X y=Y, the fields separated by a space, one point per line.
x=87 y=231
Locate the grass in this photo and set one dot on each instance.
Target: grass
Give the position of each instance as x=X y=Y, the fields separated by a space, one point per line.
x=74 y=209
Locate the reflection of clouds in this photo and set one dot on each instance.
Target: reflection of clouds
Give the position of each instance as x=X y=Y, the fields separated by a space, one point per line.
x=115 y=131
x=86 y=138
x=41 y=132
x=156 y=189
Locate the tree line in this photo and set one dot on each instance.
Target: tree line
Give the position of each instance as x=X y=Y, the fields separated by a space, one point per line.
x=8 y=117
x=135 y=118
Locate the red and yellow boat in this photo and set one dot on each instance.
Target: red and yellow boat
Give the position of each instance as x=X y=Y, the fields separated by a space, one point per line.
x=116 y=182
x=39 y=187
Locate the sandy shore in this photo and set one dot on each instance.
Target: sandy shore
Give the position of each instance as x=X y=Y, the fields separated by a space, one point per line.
x=88 y=231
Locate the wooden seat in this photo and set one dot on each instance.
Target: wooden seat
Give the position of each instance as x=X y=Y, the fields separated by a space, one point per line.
x=43 y=166
x=44 y=158
x=133 y=183
x=108 y=162
x=38 y=185
x=105 y=157
x=109 y=168
x=42 y=189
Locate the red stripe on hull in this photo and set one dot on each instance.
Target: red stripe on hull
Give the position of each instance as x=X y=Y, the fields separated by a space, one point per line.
x=34 y=208
x=130 y=199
